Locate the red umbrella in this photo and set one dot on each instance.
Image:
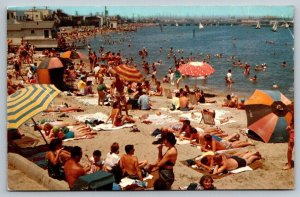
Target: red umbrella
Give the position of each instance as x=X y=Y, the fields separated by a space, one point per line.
x=196 y=69
x=128 y=73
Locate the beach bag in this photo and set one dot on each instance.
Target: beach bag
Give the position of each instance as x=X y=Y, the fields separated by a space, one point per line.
x=156 y=132
x=98 y=181
x=192 y=186
x=190 y=162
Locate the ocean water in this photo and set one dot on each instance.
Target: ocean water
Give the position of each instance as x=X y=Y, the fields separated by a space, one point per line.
x=244 y=42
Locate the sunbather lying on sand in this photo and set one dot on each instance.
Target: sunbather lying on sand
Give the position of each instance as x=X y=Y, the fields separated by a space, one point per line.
x=64 y=132
x=116 y=117
x=234 y=162
x=207 y=162
x=214 y=144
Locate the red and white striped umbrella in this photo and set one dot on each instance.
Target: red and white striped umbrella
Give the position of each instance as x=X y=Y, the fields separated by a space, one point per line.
x=128 y=73
x=196 y=69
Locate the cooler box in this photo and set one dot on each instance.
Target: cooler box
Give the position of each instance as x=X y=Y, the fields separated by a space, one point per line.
x=100 y=180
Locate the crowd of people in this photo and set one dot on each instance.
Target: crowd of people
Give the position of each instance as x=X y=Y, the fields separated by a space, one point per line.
x=65 y=164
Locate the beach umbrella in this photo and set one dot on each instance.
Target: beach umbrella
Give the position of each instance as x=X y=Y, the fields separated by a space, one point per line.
x=27 y=102
x=196 y=69
x=128 y=73
x=268 y=115
x=72 y=55
x=51 y=63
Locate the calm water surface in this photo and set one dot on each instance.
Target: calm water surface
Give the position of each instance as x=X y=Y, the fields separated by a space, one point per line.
x=245 y=43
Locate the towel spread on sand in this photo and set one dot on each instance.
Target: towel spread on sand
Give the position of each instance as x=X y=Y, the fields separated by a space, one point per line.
x=89 y=100
x=161 y=119
x=107 y=127
x=84 y=117
x=239 y=170
x=198 y=116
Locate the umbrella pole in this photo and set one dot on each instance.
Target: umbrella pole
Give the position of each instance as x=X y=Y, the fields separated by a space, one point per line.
x=36 y=126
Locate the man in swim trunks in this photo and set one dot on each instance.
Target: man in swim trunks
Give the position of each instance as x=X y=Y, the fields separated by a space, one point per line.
x=234 y=162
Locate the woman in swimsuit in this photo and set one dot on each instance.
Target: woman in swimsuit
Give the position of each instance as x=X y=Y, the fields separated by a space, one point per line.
x=54 y=158
x=166 y=162
x=117 y=118
x=234 y=162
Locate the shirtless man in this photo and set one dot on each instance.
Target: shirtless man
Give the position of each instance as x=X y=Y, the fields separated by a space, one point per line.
x=120 y=94
x=130 y=165
x=214 y=144
x=73 y=170
x=234 y=162
x=184 y=102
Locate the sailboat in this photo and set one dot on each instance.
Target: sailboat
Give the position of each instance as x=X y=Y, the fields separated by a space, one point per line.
x=201 y=26
x=257 y=25
x=176 y=24
x=274 y=28
x=287 y=25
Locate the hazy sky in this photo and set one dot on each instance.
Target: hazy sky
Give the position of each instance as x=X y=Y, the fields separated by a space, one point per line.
x=128 y=11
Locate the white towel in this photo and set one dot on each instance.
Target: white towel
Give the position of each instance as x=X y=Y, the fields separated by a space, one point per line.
x=107 y=127
x=84 y=117
x=239 y=170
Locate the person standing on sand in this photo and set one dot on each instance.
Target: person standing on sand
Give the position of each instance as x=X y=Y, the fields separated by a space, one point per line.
x=290 y=129
x=73 y=170
x=166 y=162
x=120 y=94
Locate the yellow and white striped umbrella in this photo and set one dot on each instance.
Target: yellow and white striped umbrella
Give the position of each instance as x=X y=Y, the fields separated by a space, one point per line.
x=27 y=102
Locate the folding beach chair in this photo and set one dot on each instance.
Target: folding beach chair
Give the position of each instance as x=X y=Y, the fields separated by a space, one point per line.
x=208 y=117
x=168 y=93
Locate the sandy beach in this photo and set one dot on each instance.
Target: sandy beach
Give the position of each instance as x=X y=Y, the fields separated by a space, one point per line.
x=269 y=176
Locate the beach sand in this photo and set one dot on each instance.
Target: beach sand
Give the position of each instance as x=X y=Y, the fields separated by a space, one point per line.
x=269 y=176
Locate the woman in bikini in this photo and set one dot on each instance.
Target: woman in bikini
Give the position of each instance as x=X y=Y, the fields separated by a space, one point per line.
x=166 y=162
x=117 y=118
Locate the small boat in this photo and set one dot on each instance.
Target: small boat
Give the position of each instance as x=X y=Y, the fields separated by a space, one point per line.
x=274 y=28
x=257 y=25
x=287 y=25
x=176 y=24
x=201 y=26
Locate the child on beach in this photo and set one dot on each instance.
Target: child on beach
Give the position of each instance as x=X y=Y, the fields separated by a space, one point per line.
x=96 y=161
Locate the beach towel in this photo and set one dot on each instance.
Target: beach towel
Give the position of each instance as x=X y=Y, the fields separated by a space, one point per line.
x=84 y=117
x=89 y=100
x=161 y=119
x=39 y=159
x=109 y=127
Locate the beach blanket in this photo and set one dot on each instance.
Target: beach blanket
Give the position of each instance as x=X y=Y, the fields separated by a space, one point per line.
x=161 y=119
x=108 y=127
x=84 y=117
x=198 y=116
x=89 y=100
x=39 y=159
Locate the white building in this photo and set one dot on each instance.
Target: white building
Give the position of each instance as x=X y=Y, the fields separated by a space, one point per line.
x=113 y=24
x=39 y=33
x=38 y=15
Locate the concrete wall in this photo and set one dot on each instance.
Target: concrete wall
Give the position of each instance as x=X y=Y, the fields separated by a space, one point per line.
x=35 y=172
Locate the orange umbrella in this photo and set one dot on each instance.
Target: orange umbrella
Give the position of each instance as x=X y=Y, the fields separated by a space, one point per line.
x=268 y=115
x=128 y=73
x=72 y=55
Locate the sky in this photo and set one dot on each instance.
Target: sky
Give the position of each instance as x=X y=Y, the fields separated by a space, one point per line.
x=184 y=11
